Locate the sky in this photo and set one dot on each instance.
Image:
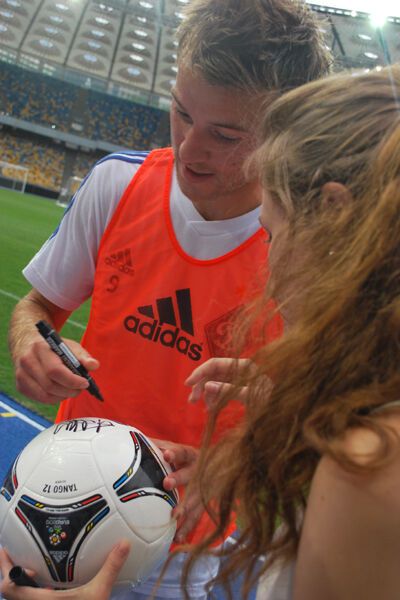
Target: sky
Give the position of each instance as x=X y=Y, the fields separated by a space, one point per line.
x=388 y=8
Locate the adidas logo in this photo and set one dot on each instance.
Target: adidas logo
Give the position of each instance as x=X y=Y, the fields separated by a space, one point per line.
x=122 y=261
x=154 y=329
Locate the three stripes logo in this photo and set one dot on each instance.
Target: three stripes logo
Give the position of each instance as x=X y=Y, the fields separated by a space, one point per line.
x=122 y=261
x=161 y=325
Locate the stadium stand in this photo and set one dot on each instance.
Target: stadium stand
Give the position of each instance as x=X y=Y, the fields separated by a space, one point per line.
x=44 y=159
x=121 y=122
x=47 y=101
x=32 y=97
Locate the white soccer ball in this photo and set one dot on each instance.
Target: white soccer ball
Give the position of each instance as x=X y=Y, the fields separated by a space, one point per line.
x=74 y=491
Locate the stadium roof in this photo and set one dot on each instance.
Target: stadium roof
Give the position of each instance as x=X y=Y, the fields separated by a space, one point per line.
x=128 y=45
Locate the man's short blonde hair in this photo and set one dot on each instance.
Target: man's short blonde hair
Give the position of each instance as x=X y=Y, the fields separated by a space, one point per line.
x=254 y=45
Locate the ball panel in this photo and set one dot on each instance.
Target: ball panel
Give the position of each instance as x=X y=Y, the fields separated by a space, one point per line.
x=149 y=516
x=145 y=473
x=7 y=491
x=143 y=557
x=57 y=531
x=68 y=470
x=112 y=465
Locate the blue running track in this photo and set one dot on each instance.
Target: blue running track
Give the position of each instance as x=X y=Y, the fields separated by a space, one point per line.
x=18 y=425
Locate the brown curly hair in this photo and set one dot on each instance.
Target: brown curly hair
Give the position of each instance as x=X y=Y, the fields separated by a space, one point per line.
x=340 y=359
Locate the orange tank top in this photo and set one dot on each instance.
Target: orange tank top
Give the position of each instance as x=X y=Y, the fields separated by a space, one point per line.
x=157 y=313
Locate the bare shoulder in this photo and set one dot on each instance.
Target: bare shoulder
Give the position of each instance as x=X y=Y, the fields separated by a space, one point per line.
x=360 y=445
x=350 y=539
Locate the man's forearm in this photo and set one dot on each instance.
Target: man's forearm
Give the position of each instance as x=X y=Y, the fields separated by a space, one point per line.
x=31 y=309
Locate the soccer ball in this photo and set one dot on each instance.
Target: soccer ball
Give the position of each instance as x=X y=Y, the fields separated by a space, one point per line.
x=74 y=491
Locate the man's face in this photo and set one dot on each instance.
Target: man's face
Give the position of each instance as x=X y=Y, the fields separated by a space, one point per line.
x=285 y=258
x=213 y=131
x=274 y=221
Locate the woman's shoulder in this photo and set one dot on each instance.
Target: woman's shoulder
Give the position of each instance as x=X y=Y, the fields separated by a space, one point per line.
x=350 y=539
x=375 y=458
x=360 y=444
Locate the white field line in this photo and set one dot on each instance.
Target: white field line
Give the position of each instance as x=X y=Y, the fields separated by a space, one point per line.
x=17 y=298
x=21 y=416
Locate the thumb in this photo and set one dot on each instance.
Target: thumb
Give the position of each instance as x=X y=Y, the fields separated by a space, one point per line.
x=90 y=363
x=87 y=360
x=112 y=566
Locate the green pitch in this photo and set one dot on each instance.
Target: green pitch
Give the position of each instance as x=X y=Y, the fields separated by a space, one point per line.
x=26 y=222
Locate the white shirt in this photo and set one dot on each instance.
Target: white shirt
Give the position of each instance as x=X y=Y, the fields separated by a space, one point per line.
x=63 y=269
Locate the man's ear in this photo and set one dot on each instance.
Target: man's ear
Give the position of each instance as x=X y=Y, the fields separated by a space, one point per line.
x=335 y=194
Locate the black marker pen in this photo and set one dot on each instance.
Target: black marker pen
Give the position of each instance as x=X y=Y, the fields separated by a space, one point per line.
x=67 y=356
x=19 y=576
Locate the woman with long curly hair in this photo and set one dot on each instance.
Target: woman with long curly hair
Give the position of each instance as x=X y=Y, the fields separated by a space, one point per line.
x=314 y=469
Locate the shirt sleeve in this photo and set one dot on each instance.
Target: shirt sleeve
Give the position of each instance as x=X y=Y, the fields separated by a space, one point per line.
x=63 y=269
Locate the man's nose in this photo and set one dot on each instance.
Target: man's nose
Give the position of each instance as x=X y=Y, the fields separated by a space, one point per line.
x=194 y=147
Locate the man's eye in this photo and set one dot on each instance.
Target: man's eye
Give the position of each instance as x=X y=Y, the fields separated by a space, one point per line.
x=226 y=138
x=182 y=114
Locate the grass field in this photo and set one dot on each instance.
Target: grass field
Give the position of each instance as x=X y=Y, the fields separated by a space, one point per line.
x=26 y=222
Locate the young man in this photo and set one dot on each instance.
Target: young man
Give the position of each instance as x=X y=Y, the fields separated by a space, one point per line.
x=167 y=243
